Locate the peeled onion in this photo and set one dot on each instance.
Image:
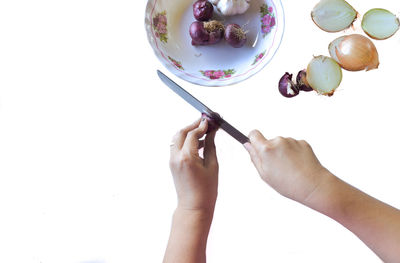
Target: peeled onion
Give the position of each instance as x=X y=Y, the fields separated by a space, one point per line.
x=324 y=75
x=354 y=52
x=380 y=23
x=333 y=15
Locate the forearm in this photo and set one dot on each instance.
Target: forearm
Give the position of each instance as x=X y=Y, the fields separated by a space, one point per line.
x=188 y=238
x=374 y=222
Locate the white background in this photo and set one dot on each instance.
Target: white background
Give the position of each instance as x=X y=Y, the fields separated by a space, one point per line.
x=85 y=127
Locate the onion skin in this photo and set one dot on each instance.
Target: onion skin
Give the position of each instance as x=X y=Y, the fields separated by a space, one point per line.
x=201 y=36
x=213 y=121
x=354 y=52
x=202 y=10
x=379 y=18
x=333 y=15
x=302 y=82
x=235 y=36
x=287 y=87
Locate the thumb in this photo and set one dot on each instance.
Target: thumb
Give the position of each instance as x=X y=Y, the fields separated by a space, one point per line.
x=255 y=158
x=250 y=149
x=256 y=137
x=253 y=153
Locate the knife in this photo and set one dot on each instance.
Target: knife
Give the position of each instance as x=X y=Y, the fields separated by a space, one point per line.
x=232 y=131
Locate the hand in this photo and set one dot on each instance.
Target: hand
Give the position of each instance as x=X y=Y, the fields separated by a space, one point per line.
x=287 y=165
x=195 y=178
x=291 y=168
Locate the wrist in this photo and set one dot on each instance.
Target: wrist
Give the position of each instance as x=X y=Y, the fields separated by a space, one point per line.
x=198 y=206
x=200 y=214
x=335 y=198
x=324 y=192
x=189 y=233
x=194 y=220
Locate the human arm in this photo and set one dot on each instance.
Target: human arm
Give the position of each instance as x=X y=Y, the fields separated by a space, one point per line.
x=377 y=224
x=196 y=183
x=292 y=169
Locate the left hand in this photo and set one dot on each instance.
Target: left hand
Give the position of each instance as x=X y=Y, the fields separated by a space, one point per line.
x=195 y=178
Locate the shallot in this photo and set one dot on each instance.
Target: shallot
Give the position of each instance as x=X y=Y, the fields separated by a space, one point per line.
x=203 y=10
x=354 y=52
x=301 y=81
x=333 y=15
x=380 y=23
x=213 y=120
x=206 y=33
x=287 y=87
x=324 y=75
x=235 y=36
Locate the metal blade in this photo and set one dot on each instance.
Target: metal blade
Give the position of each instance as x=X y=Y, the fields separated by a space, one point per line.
x=232 y=131
x=203 y=108
x=184 y=94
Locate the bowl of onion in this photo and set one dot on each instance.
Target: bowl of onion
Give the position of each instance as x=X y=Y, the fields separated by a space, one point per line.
x=214 y=42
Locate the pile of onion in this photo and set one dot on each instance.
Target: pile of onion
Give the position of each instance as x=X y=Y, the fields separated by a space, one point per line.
x=205 y=31
x=337 y=15
x=352 y=52
x=323 y=75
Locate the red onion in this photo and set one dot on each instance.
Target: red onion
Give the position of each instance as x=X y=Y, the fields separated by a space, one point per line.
x=287 y=87
x=206 y=33
x=301 y=81
x=213 y=121
x=235 y=36
x=203 y=10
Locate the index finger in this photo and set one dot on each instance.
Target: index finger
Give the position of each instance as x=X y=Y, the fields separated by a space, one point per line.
x=191 y=143
x=180 y=137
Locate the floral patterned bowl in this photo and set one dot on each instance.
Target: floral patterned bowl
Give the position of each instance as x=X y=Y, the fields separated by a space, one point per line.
x=167 y=24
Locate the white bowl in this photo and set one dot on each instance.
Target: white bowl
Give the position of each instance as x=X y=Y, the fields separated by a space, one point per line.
x=167 y=24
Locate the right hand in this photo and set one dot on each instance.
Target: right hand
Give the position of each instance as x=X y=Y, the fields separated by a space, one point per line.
x=287 y=165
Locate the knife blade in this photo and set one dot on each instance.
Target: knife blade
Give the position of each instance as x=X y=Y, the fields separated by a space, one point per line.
x=184 y=94
x=232 y=131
